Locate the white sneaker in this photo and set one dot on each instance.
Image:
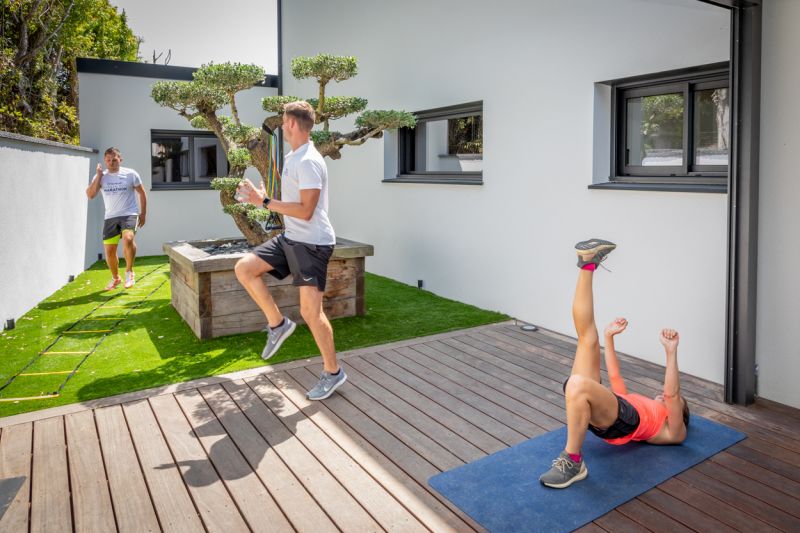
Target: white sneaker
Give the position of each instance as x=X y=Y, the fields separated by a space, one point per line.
x=129 y=279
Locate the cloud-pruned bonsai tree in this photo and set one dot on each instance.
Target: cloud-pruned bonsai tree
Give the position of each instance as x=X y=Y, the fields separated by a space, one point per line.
x=215 y=86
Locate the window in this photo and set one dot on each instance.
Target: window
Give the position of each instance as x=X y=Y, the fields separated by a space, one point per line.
x=445 y=147
x=672 y=129
x=186 y=160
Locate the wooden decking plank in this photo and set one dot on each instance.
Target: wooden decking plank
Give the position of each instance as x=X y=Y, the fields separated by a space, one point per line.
x=743 y=483
x=329 y=494
x=171 y=500
x=256 y=505
x=762 y=475
x=466 y=395
x=16 y=443
x=434 y=452
x=462 y=427
x=416 y=497
x=50 y=501
x=763 y=444
x=456 y=444
x=651 y=518
x=91 y=501
x=520 y=386
x=297 y=504
x=722 y=511
x=744 y=502
x=489 y=425
x=476 y=382
x=591 y=527
x=217 y=509
x=682 y=512
x=133 y=507
x=616 y=522
x=772 y=464
x=372 y=496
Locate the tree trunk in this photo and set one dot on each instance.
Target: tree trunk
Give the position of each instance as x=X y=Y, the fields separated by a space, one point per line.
x=251 y=230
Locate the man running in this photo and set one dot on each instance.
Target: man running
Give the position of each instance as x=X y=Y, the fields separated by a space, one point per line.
x=123 y=217
x=613 y=415
x=303 y=251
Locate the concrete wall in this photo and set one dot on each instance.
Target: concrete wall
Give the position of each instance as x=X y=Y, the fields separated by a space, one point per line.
x=777 y=347
x=507 y=245
x=42 y=220
x=118 y=111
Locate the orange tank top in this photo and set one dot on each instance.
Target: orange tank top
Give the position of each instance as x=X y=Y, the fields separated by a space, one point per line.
x=652 y=414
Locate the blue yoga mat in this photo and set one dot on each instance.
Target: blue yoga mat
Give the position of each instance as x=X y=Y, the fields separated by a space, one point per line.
x=502 y=491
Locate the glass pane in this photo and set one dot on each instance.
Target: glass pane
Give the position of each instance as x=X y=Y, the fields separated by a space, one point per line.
x=433 y=142
x=209 y=159
x=170 y=159
x=465 y=135
x=712 y=124
x=655 y=130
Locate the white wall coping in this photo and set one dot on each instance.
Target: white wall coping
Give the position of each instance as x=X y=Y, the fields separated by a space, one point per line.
x=45 y=142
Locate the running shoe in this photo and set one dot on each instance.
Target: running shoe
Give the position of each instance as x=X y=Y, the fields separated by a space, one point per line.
x=598 y=248
x=564 y=472
x=327 y=384
x=276 y=336
x=129 y=279
x=113 y=284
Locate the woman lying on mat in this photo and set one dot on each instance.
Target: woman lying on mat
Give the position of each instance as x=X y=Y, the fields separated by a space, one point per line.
x=612 y=414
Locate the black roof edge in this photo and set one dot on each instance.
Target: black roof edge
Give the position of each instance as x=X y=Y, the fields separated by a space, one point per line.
x=149 y=70
x=701 y=69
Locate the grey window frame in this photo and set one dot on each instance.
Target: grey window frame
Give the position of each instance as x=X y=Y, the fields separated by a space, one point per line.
x=405 y=149
x=703 y=178
x=189 y=185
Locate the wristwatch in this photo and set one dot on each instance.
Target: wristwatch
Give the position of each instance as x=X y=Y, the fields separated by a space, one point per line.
x=266 y=202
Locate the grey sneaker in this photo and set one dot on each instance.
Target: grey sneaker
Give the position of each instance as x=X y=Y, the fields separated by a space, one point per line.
x=275 y=337
x=327 y=384
x=598 y=247
x=564 y=472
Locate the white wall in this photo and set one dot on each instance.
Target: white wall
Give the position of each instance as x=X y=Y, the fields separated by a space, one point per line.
x=507 y=245
x=42 y=221
x=777 y=348
x=118 y=111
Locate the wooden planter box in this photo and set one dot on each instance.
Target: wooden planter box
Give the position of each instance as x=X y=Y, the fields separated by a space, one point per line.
x=207 y=295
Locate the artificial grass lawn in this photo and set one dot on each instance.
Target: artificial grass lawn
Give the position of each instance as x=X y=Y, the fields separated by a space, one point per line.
x=153 y=346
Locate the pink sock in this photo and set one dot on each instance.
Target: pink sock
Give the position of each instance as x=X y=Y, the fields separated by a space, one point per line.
x=576 y=457
x=591 y=267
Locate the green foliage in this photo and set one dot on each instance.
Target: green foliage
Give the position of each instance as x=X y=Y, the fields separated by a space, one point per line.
x=225 y=184
x=252 y=212
x=239 y=157
x=199 y=122
x=187 y=97
x=662 y=116
x=40 y=82
x=274 y=104
x=229 y=78
x=321 y=137
x=324 y=67
x=386 y=119
x=240 y=133
x=339 y=106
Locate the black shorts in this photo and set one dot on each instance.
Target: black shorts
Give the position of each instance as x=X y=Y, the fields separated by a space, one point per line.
x=114 y=226
x=307 y=263
x=626 y=423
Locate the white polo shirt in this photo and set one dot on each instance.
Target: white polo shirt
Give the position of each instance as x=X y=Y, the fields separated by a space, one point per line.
x=305 y=168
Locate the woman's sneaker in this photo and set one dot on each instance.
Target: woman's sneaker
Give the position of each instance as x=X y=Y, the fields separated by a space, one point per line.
x=564 y=472
x=130 y=279
x=593 y=251
x=113 y=284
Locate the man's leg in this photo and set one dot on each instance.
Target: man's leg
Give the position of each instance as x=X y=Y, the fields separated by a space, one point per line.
x=249 y=270
x=320 y=326
x=128 y=249
x=111 y=259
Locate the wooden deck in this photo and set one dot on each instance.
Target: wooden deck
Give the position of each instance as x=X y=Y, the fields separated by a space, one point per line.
x=249 y=452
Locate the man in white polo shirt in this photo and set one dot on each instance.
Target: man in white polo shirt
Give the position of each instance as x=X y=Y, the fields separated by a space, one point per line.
x=123 y=217
x=302 y=251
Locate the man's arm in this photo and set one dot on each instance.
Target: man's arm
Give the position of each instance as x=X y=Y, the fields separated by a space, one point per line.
x=303 y=210
x=672 y=389
x=142 y=204
x=612 y=364
x=94 y=186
